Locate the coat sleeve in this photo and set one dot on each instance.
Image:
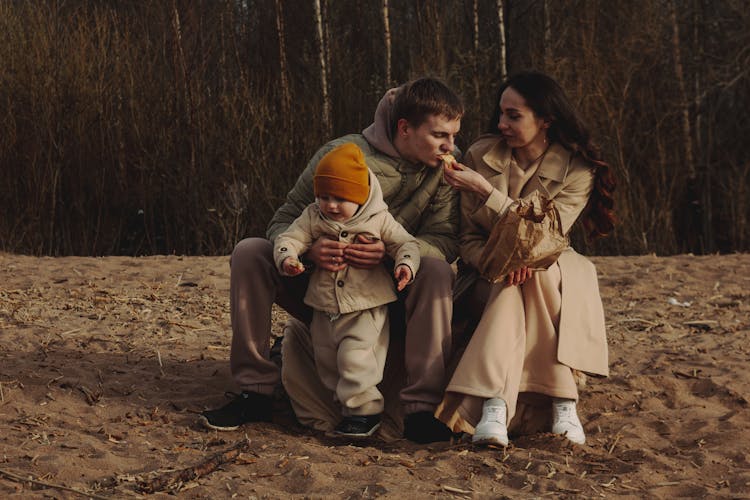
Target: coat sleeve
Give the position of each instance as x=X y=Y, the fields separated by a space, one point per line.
x=478 y=218
x=439 y=226
x=572 y=199
x=294 y=241
x=401 y=246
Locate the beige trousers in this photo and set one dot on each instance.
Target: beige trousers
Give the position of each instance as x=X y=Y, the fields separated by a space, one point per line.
x=315 y=405
x=350 y=355
x=513 y=350
x=424 y=312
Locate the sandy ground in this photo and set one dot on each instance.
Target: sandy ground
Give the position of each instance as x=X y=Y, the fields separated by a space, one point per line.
x=104 y=363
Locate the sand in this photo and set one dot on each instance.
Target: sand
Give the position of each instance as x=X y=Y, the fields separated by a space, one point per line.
x=105 y=362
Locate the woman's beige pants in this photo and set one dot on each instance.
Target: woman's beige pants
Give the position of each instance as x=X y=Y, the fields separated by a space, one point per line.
x=512 y=350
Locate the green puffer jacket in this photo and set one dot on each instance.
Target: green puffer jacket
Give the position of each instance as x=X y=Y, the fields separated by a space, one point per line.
x=417 y=197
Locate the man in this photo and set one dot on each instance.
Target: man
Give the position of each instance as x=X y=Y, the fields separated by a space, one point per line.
x=414 y=126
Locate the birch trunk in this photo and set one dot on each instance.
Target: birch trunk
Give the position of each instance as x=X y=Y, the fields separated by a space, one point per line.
x=547 y=49
x=477 y=92
x=684 y=106
x=700 y=241
x=286 y=99
x=322 y=58
x=501 y=30
x=387 y=40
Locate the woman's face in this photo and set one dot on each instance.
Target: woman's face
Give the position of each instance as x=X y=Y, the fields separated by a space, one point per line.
x=518 y=124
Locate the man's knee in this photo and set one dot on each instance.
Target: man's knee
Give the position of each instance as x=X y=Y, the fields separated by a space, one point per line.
x=250 y=250
x=435 y=273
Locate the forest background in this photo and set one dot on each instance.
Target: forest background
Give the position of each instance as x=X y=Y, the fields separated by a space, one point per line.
x=178 y=126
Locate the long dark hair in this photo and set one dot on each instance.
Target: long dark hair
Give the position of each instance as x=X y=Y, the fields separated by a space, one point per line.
x=548 y=101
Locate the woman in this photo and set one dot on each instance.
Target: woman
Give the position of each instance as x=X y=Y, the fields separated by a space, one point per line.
x=538 y=326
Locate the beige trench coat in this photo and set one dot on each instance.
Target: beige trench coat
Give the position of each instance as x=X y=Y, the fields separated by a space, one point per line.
x=568 y=180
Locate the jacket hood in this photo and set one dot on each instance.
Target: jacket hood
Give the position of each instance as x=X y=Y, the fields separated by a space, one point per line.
x=378 y=134
x=374 y=203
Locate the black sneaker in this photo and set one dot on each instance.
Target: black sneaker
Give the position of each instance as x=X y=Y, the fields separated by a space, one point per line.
x=244 y=408
x=358 y=426
x=422 y=427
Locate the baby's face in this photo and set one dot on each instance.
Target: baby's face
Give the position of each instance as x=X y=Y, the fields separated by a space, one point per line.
x=336 y=209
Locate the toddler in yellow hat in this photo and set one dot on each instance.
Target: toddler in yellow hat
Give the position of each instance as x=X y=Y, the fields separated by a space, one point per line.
x=350 y=327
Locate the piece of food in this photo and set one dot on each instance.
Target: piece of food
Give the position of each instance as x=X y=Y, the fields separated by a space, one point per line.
x=449 y=161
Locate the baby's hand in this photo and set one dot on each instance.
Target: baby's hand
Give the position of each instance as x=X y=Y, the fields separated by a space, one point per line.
x=292 y=266
x=403 y=276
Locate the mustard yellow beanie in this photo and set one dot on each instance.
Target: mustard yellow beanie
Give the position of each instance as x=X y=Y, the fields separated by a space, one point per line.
x=342 y=173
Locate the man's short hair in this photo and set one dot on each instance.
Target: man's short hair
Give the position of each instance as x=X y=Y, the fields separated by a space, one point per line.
x=424 y=97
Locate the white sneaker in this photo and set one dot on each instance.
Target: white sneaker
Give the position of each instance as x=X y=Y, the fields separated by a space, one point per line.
x=492 y=428
x=565 y=420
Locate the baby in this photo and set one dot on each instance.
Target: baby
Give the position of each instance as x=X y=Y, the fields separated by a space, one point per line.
x=350 y=326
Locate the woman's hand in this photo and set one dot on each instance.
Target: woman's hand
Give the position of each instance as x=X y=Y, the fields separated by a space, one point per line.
x=365 y=252
x=519 y=276
x=327 y=254
x=467 y=180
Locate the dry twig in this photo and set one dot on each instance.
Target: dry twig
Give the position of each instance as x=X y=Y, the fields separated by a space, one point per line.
x=20 y=479
x=173 y=478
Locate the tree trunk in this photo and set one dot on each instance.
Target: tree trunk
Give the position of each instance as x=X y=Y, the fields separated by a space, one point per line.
x=501 y=29
x=547 y=49
x=286 y=99
x=387 y=41
x=477 y=91
x=322 y=59
x=692 y=209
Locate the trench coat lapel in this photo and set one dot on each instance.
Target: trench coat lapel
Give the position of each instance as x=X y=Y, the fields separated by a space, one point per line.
x=498 y=159
x=551 y=173
x=548 y=178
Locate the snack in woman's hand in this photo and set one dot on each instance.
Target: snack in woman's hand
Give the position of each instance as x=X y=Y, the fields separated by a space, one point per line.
x=449 y=161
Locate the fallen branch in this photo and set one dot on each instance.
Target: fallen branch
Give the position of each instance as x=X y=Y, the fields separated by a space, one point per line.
x=21 y=479
x=170 y=479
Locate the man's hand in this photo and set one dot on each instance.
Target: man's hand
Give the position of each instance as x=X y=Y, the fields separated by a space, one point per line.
x=292 y=267
x=327 y=254
x=365 y=253
x=520 y=276
x=402 y=273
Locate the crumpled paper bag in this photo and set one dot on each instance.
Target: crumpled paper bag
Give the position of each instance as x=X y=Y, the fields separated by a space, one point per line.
x=529 y=234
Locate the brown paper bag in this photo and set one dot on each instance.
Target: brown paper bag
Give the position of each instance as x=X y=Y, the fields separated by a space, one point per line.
x=527 y=235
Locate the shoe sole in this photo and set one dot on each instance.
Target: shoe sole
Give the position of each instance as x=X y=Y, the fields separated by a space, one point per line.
x=489 y=440
x=204 y=421
x=569 y=438
x=359 y=435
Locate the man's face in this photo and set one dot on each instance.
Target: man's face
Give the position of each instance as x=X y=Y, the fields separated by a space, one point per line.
x=427 y=142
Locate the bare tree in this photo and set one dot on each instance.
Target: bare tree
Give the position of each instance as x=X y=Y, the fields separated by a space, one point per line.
x=547 y=49
x=387 y=41
x=475 y=11
x=286 y=98
x=322 y=58
x=684 y=102
x=501 y=31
